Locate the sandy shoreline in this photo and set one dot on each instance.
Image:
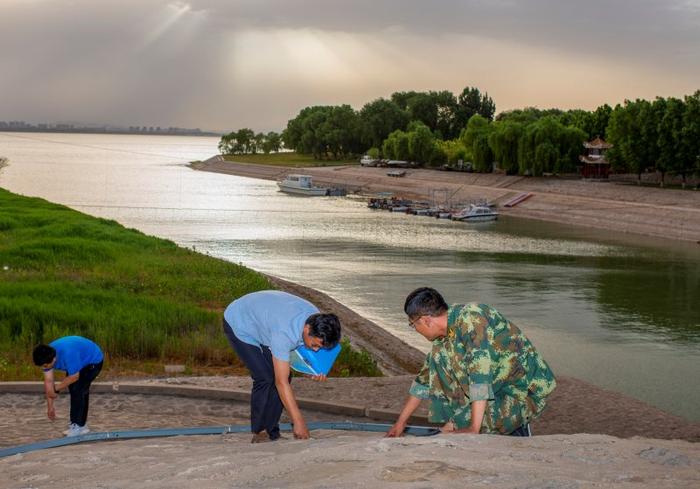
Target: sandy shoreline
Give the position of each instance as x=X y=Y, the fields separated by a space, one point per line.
x=649 y=211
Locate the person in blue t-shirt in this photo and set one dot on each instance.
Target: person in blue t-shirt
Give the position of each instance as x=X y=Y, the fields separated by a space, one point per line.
x=81 y=359
x=263 y=328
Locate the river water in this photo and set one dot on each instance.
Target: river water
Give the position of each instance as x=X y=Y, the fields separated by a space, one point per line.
x=621 y=312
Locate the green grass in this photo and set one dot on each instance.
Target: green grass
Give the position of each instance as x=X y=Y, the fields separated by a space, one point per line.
x=142 y=299
x=288 y=159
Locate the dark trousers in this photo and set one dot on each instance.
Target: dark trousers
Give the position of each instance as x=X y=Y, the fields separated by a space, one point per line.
x=265 y=403
x=524 y=430
x=80 y=393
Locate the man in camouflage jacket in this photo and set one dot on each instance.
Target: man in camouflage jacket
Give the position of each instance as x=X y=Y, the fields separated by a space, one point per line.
x=482 y=375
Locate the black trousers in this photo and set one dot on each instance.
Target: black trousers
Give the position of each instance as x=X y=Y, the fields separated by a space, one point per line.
x=80 y=393
x=265 y=403
x=524 y=430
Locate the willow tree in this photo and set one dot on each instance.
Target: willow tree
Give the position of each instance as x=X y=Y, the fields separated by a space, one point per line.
x=504 y=140
x=476 y=138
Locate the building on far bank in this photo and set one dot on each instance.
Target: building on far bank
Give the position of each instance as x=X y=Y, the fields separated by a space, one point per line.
x=594 y=163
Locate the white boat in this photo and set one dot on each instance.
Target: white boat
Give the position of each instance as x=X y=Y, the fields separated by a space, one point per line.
x=475 y=213
x=367 y=160
x=300 y=185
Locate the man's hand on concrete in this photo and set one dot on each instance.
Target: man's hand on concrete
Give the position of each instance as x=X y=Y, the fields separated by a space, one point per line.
x=301 y=432
x=396 y=430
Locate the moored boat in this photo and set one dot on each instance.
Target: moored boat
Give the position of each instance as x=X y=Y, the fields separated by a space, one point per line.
x=301 y=185
x=476 y=213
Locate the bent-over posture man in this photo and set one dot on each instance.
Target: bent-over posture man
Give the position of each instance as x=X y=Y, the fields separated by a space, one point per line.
x=263 y=328
x=81 y=359
x=482 y=375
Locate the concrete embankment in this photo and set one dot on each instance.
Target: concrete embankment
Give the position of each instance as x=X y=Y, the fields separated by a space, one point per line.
x=664 y=213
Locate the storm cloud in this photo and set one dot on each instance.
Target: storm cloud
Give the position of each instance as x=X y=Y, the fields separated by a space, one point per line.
x=221 y=64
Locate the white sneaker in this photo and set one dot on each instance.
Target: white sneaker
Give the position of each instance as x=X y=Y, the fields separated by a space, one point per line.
x=76 y=430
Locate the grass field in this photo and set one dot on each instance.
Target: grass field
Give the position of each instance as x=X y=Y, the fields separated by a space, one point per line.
x=144 y=300
x=288 y=159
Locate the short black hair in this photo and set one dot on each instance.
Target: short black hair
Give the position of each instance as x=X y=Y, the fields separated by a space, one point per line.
x=43 y=354
x=424 y=301
x=326 y=327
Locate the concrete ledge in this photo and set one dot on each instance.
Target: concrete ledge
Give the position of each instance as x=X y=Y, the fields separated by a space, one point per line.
x=27 y=387
x=198 y=392
x=389 y=415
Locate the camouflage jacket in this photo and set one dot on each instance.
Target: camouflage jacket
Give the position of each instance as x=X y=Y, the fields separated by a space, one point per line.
x=483 y=356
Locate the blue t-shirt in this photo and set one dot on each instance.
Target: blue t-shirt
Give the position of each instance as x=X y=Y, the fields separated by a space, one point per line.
x=75 y=352
x=270 y=318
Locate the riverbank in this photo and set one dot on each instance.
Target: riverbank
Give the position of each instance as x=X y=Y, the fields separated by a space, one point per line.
x=146 y=301
x=618 y=207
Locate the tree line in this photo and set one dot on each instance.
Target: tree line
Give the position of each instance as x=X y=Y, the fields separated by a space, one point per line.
x=436 y=128
x=246 y=141
x=341 y=131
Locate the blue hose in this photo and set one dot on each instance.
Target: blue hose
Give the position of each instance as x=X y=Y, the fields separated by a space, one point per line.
x=210 y=430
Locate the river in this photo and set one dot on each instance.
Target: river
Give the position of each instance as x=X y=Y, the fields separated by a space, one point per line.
x=622 y=312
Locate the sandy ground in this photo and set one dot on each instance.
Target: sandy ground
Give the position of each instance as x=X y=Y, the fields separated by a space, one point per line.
x=574 y=407
x=672 y=214
x=24 y=415
x=355 y=460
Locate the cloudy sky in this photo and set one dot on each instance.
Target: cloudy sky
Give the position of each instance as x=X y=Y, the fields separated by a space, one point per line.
x=223 y=64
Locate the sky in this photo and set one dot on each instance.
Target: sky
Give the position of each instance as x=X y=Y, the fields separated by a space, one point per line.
x=226 y=64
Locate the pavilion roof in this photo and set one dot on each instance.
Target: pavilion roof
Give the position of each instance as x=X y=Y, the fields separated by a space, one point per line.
x=597 y=143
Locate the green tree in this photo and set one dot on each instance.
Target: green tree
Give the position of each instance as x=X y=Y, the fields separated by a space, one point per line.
x=670 y=140
x=396 y=146
x=401 y=98
x=471 y=102
x=423 y=107
x=421 y=144
x=476 y=126
x=549 y=146
x=373 y=153
x=483 y=156
x=226 y=144
x=340 y=131
x=272 y=143
x=625 y=133
x=380 y=118
x=504 y=140
x=446 y=126
x=245 y=140
x=454 y=150
x=690 y=136
x=600 y=120
x=546 y=158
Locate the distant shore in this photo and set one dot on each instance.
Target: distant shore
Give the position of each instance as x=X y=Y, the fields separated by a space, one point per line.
x=663 y=213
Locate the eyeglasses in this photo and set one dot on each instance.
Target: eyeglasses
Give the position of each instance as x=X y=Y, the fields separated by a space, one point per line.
x=412 y=322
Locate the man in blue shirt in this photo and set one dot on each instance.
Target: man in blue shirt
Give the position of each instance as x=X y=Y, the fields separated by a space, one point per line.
x=81 y=359
x=263 y=328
